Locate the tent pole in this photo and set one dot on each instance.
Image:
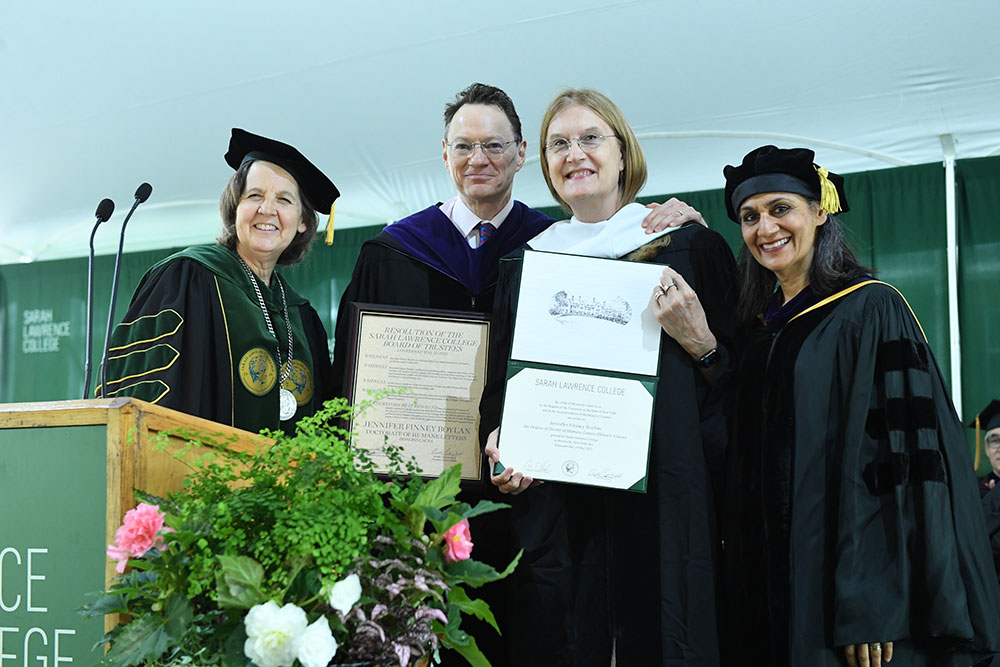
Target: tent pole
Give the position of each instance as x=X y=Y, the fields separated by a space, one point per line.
x=948 y=150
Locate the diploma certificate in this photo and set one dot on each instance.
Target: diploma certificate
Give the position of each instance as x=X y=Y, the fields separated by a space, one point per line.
x=587 y=312
x=582 y=374
x=577 y=427
x=439 y=358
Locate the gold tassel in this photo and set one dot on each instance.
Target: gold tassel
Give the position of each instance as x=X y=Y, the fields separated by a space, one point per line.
x=979 y=448
x=829 y=200
x=329 y=227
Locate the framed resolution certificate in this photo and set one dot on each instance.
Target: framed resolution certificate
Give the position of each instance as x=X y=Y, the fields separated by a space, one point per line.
x=582 y=374
x=439 y=357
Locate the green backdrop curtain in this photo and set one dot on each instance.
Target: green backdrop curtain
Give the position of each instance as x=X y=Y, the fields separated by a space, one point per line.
x=978 y=209
x=896 y=224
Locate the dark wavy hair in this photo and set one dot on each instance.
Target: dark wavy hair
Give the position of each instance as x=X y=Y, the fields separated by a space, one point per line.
x=833 y=265
x=481 y=93
x=230 y=201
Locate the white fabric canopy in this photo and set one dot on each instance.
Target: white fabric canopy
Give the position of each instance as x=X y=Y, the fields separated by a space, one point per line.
x=96 y=98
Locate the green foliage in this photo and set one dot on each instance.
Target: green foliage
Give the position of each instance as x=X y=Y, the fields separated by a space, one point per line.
x=471 y=653
x=238 y=582
x=478 y=608
x=300 y=502
x=283 y=524
x=143 y=639
x=460 y=641
x=476 y=574
x=179 y=615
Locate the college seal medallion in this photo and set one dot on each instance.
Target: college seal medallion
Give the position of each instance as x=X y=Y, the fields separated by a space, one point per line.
x=258 y=372
x=299 y=382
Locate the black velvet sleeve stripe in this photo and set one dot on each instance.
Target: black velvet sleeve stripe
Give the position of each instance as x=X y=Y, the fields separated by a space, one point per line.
x=910 y=414
x=901 y=414
x=875 y=425
x=900 y=469
x=901 y=355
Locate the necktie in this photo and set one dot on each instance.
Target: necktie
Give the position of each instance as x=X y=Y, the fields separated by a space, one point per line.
x=486 y=230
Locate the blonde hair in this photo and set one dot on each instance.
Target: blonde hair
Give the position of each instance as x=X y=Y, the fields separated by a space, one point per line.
x=633 y=176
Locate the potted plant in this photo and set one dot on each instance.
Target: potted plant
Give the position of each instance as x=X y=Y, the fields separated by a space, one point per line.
x=296 y=554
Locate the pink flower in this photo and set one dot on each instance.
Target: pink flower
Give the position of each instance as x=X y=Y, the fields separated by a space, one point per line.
x=458 y=542
x=140 y=531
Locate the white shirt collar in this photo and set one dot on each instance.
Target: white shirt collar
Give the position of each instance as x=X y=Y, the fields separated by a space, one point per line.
x=466 y=221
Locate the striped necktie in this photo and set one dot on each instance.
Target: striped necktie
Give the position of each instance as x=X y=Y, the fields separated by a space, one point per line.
x=486 y=230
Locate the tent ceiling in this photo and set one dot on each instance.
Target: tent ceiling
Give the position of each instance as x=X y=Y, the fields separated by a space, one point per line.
x=96 y=98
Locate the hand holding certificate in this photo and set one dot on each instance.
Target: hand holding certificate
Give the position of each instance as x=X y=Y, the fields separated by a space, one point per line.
x=582 y=375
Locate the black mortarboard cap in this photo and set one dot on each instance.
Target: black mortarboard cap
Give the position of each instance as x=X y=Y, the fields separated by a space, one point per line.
x=318 y=190
x=772 y=169
x=989 y=418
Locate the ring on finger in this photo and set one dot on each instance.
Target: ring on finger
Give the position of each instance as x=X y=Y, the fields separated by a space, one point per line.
x=678 y=213
x=877 y=648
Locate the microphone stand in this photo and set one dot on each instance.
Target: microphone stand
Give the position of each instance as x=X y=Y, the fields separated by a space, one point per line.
x=104 y=211
x=141 y=195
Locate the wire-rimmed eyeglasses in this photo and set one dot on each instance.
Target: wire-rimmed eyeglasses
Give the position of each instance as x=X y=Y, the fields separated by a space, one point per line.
x=587 y=143
x=493 y=147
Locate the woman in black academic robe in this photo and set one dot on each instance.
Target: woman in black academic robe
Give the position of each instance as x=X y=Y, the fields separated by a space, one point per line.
x=853 y=532
x=608 y=572
x=216 y=331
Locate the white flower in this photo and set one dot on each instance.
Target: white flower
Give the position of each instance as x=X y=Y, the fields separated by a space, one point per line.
x=345 y=593
x=272 y=634
x=316 y=645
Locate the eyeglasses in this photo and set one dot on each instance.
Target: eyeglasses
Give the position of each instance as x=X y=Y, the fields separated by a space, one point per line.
x=587 y=143
x=467 y=148
x=993 y=442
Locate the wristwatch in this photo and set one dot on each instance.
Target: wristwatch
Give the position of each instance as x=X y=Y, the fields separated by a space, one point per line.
x=709 y=359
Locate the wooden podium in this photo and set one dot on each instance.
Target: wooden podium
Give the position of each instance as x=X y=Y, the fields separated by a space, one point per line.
x=67 y=474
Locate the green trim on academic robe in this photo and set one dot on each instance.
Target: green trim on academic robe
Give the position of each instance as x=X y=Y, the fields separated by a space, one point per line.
x=194 y=339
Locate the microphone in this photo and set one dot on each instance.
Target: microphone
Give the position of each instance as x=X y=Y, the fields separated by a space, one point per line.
x=104 y=211
x=141 y=194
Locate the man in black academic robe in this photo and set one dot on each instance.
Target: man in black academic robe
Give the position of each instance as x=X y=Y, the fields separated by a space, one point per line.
x=439 y=258
x=987 y=425
x=434 y=258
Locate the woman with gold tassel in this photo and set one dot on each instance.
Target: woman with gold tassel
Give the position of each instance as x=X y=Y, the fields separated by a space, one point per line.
x=853 y=532
x=216 y=331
